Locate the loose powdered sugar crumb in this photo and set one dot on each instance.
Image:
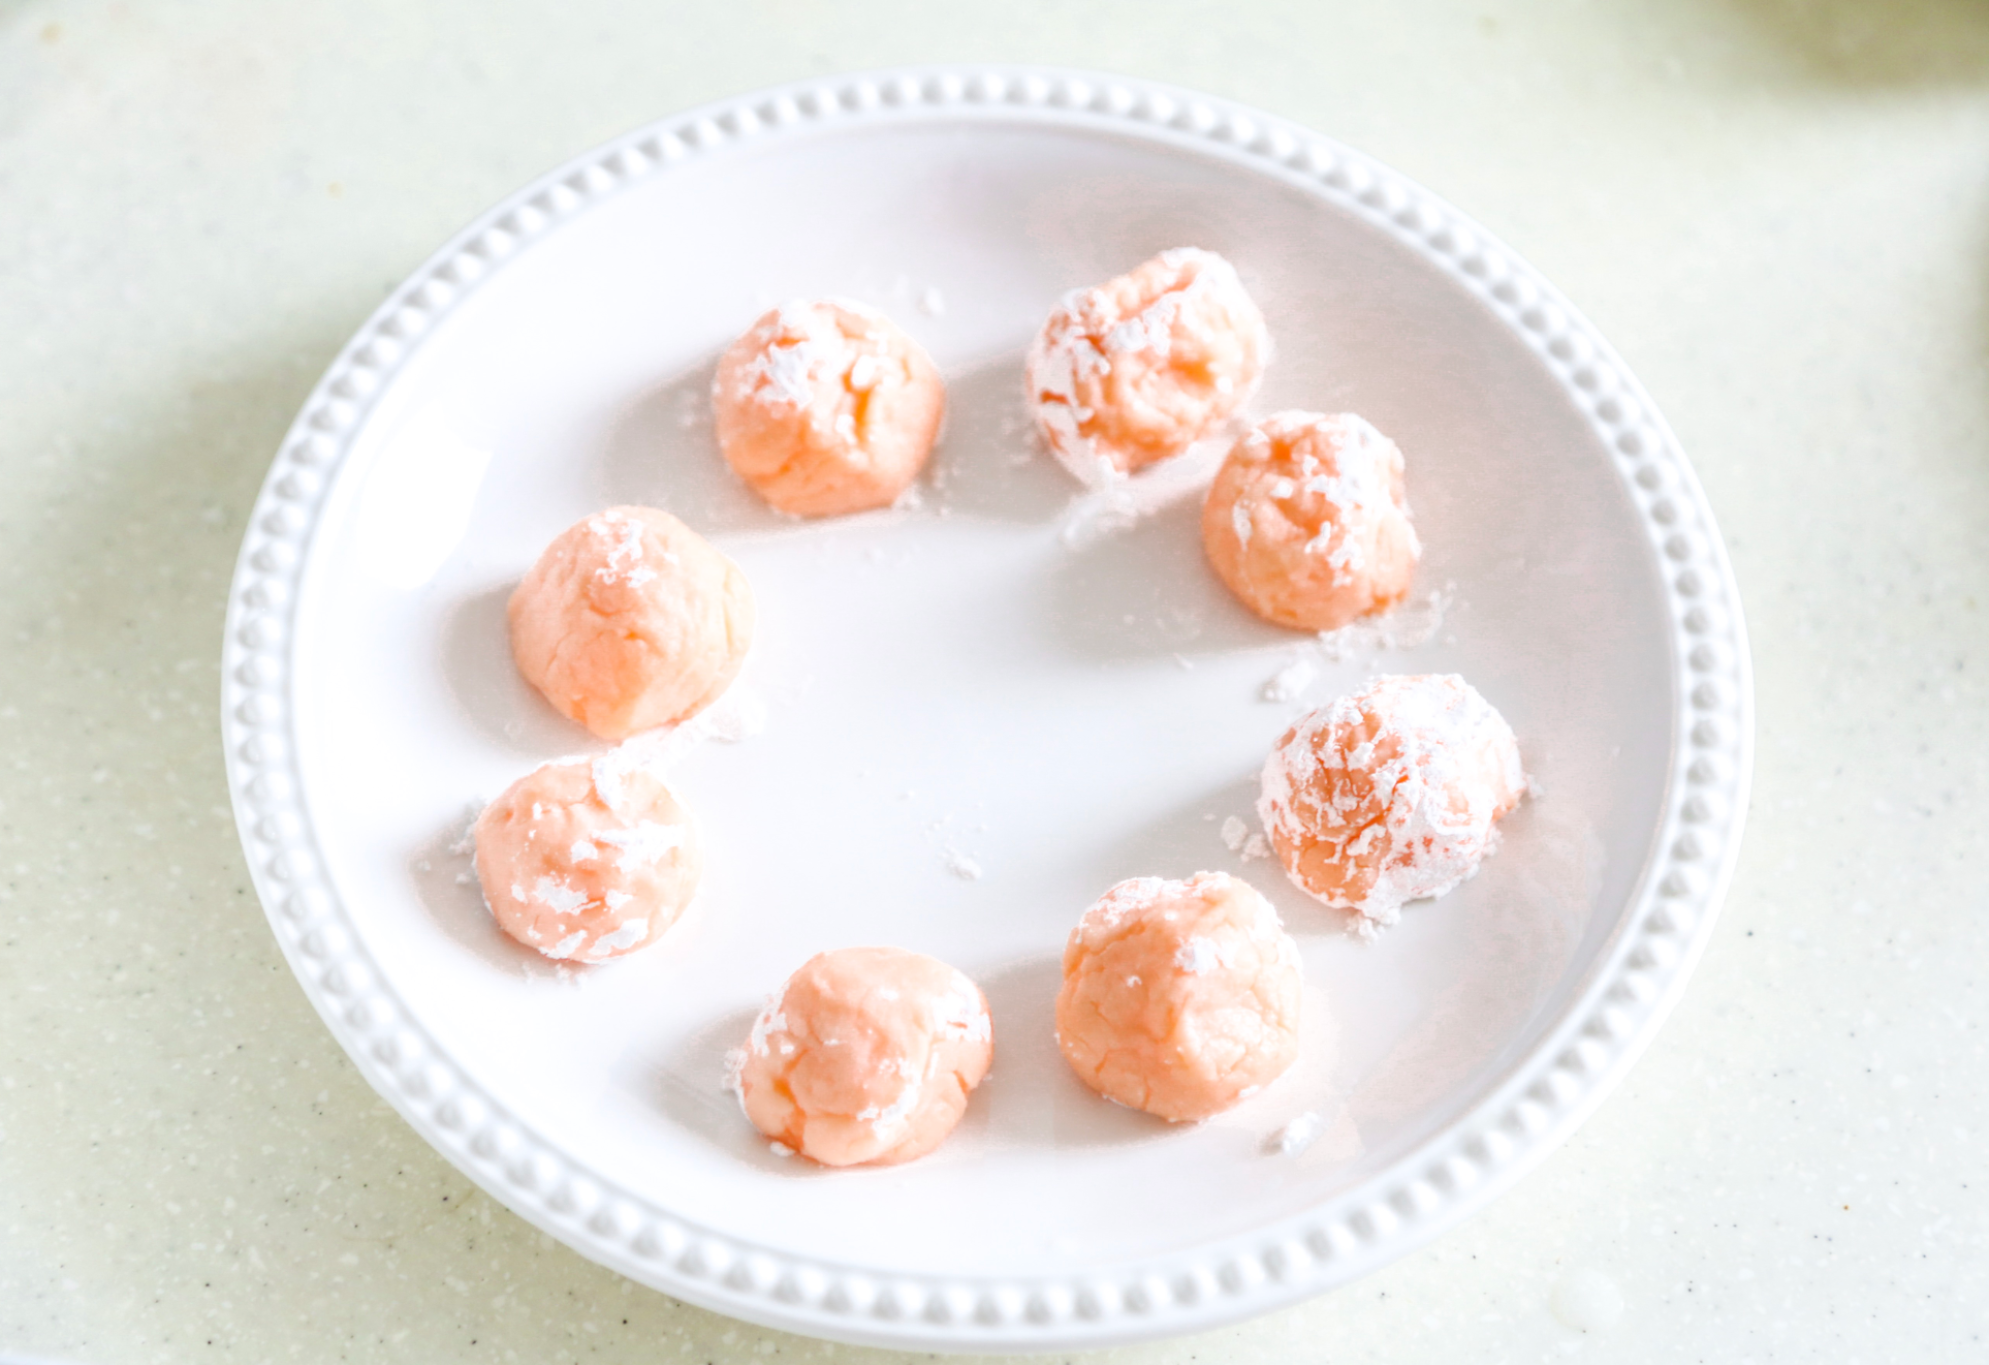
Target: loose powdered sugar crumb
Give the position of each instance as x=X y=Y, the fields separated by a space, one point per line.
x=1234 y=832
x=1290 y=681
x=961 y=866
x=1297 y=1135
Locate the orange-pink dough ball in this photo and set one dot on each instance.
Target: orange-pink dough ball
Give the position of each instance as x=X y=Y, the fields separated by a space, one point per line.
x=1179 y=998
x=1141 y=367
x=1392 y=795
x=1307 y=522
x=827 y=408
x=587 y=861
x=631 y=620
x=866 y=1057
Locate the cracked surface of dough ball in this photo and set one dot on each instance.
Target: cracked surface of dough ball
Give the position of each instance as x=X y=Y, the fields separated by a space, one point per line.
x=827 y=408
x=1180 y=997
x=1139 y=368
x=866 y=1057
x=1392 y=795
x=587 y=860
x=1307 y=522
x=631 y=620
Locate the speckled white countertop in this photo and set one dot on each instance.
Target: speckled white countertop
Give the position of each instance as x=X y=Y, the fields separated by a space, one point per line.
x=1779 y=212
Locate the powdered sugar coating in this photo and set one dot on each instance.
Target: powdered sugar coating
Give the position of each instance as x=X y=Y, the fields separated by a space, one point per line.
x=587 y=861
x=631 y=620
x=826 y=408
x=1179 y=997
x=1308 y=522
x=1139 y=368
x=1392 y=795
x=866 y=1057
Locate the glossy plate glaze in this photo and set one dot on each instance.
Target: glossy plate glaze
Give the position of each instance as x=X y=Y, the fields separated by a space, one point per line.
x=965 y=718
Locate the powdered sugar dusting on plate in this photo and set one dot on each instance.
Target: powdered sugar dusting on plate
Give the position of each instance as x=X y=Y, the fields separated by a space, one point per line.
x=1407 y=625
x=1297 y=1135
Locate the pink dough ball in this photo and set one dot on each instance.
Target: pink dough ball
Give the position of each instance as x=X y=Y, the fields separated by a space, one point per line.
x=1392 y=795
x=631 y=620
x=586 y=861
x=1179 y=997
x=1307 y=522
x=866 y=1057
x=1139 y=368
x=827 y=408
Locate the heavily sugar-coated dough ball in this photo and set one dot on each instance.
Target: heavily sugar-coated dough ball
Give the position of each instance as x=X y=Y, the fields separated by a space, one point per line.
x=1391 y=795
x=1179 y=998
x=1307 y=523
x=866 y=1057
x=586 y=861
x=631 y=620
x=1141 y=367
x=826 y=408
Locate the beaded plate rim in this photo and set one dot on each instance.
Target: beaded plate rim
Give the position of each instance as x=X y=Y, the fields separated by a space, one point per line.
x=1635 y=982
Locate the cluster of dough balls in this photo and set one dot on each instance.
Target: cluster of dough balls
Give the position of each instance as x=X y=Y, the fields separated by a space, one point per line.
x=827 y=408
x=630 y=620
x=587 y=860
x=1307 y=521
x=866 y=1057
x=1391 y=795
x=627 y=621
x=1179 y=997
x=1138 y=369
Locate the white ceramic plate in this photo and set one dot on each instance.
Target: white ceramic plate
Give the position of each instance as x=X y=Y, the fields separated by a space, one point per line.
x=984 y=679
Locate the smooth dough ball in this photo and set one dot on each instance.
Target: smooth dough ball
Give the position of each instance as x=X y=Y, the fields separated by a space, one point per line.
x=1307 y=523
x=631 y=620
x=827 y=408
x=1179 y=998
x=1141 y=367
x=866 y=1057
x=586 y=861
x=1391 y=795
